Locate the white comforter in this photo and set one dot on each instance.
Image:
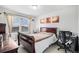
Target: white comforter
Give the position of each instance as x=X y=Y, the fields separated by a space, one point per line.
x=42 y=45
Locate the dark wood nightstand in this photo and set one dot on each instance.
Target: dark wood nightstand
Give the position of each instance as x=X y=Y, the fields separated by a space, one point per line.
x=9 y=47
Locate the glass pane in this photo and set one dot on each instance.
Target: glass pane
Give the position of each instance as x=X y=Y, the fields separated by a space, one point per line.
x=16 y=21
x=15 y=29
x=24 y=29
x=24 y=21
x=24 y=24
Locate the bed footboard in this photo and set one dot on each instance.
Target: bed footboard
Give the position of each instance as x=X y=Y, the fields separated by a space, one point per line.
x=27 y=41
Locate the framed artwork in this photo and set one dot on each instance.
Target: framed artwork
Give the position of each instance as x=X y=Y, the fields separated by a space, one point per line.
x=54 y=19
x=43 y=20
x=48 y=20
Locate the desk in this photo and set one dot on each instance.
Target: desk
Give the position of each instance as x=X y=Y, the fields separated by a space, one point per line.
x=74 y=45
x=10 y=47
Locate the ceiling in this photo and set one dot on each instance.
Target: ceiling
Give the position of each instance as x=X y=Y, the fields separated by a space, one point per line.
x=41 y=9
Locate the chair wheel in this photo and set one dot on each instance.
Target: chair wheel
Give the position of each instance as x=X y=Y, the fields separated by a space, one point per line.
x=58 y=48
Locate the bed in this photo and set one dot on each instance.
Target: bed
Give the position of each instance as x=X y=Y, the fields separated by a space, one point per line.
x=38 y=42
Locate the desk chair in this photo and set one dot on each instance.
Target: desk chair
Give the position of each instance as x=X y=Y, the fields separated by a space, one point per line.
x=64 y=37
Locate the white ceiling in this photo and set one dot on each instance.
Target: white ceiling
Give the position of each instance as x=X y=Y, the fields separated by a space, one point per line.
x=42 y=9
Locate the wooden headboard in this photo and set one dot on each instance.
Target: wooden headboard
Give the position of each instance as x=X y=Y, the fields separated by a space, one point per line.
x=2 y=28
x=45 y=29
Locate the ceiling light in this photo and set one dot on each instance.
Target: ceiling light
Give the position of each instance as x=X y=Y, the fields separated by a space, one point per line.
x=34 y=7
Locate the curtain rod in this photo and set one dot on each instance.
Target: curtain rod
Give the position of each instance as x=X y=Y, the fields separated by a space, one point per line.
x=22 y=15
x=15 y=14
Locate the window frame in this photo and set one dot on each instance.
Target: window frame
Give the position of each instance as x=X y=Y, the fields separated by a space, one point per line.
x=20 y=26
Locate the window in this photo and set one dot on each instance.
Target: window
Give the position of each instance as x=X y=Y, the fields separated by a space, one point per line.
x=15 y=24
x=20 y=24
x=24 y=24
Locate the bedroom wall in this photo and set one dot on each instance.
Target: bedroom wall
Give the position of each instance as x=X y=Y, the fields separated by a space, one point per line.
x=78 y=20
x=68 y=19
x=1 y=20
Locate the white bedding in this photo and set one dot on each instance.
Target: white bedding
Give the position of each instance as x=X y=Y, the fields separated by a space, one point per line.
x=42 y=45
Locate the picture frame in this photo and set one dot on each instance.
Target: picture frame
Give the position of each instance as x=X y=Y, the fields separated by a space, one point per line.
x=54 y=19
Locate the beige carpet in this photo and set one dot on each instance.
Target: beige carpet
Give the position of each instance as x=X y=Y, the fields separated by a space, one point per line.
x=51 y=49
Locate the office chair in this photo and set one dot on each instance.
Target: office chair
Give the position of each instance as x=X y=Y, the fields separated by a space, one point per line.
x=64 y=37
x=61 y=40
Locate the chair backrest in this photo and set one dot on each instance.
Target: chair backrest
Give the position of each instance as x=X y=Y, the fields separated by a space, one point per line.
x=62 y=36
x=68 y=35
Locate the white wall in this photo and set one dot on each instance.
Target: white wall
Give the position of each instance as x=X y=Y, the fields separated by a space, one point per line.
x=78 y=20
x=68 y=19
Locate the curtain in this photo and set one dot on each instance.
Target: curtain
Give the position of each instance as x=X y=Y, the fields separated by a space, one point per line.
x=8 y=19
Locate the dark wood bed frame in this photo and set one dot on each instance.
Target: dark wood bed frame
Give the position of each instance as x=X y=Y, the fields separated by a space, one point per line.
x=29 y=45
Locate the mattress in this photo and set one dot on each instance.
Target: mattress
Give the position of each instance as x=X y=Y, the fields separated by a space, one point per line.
x=40 y=36
x=42 y=45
